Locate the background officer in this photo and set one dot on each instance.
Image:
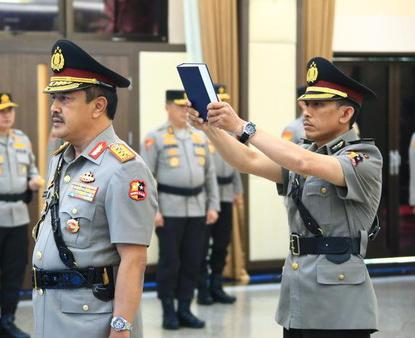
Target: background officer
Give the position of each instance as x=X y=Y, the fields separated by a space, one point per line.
x=18 y=178
x=218 y=235
x=91 y=241
x=334 y=188
x=179 y=158
x=294 y=132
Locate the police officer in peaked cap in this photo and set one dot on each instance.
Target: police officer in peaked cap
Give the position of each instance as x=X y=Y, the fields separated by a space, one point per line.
x=333 y=185
x=180 y=160
x=91 y=240
x=18 y=179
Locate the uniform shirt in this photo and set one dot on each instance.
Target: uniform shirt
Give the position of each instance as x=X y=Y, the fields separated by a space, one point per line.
x=118 y=205
x=412 y=171
x=17 y=166
x=182 y=159
x=294 y=132
x=227 y=192
x=316 y=293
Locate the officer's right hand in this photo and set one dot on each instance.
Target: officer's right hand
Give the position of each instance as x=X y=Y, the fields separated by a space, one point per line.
x=159 y=220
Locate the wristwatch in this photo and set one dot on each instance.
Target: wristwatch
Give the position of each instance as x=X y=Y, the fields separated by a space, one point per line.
x=248 y=131
x=120 y=324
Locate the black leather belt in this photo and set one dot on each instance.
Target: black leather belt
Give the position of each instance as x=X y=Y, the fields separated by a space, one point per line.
x=70 y=278
x=323 y=245
x=179 y=191
x=12 y=197
x=223 y=180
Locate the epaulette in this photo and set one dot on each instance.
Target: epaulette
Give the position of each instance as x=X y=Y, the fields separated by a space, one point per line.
x=362 y=140
x=122 y=152
x=60 y=149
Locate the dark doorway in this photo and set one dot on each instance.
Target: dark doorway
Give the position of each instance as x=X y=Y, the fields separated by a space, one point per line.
x=390 y=120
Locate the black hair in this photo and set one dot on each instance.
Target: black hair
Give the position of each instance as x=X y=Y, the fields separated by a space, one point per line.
x=110 y=94
x=356 y=107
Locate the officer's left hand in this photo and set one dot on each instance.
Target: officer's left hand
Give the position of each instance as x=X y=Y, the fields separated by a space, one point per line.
x=238 y=199
x=35 y=183
x=120 y=334
x=211 y=216
x=222 y=115
x=194 y=118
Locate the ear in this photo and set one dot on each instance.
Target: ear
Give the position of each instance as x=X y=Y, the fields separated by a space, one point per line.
x=346 y=113
x=100 y=107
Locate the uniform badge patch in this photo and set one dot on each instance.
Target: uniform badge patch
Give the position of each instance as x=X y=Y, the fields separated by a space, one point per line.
x=98 y=150
x=87 y=177
x=148 y=142
x=19 y=145
x=201 y=161
x=287 y=135
x=174 y=162
x=1 y=159
x=356 y=158
x=200 y=151
x=121 y=152
x=72 y=225
x=137 y=190
x=83 y=191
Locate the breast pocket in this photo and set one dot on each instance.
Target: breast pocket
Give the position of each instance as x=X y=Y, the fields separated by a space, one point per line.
x=317 y=198
x=77 y=222
x=22 y=163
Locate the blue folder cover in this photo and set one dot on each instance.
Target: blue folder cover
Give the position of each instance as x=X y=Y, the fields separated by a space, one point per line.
x=198 y=86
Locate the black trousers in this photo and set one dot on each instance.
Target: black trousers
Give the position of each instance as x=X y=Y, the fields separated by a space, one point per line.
x=180 y=253
x=220 y=232
x=295 y=333
x=13 y=260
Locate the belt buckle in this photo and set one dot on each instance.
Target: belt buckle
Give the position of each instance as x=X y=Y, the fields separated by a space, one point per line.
x=34 y=271
x=295 y=244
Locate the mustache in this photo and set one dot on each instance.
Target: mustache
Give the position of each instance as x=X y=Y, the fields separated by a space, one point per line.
x=56 y=117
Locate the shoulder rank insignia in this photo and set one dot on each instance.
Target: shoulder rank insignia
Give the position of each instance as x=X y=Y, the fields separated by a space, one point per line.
x=356 y=158
x=137 y=190
x=98 y=150
x=61 y=148
x=121 y=152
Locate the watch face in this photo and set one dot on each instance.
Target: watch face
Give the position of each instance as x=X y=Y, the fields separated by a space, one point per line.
x=118 y=324
x=250 y=128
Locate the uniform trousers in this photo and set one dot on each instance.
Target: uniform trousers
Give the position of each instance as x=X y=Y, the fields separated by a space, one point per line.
x=296 y=333
x=13 y=260
x=220 y=232
x=180 y=253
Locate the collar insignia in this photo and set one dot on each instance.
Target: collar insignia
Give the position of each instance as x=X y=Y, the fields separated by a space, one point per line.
x=98 y=150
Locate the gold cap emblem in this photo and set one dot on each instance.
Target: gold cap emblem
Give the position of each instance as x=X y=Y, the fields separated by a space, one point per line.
x=221 y=90
x=312 y=73
x=5 y=99
x=57 y=61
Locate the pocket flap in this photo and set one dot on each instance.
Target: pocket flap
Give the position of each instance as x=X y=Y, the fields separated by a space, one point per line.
x=317 y=189
x=346 y=273
x=83 y=301
x=77 y=211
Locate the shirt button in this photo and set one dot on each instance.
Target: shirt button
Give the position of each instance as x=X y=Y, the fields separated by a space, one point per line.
x=67 y=179
x=74 y=211
x=323 y=190
x=341 y=276
x=40 y=292
x=39 y=255
x=295 y=266
x=85 y=307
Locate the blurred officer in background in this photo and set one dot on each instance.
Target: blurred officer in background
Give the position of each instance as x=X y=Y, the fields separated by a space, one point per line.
x=100 y=203
x=294 y=132
x=333 y=185
x=179 y=158
x=218 y=235
x=18 y=178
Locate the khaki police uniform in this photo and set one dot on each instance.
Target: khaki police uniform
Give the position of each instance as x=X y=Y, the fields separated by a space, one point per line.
x=107 y=196
x=412 y=171
x=17 y=167
x=317 y=291
x=218 y=235
x=181 y=163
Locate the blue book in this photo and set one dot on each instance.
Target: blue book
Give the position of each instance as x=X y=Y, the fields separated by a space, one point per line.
x=198 y=86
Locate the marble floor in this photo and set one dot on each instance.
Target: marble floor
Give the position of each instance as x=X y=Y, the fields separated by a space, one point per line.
x=253 y=314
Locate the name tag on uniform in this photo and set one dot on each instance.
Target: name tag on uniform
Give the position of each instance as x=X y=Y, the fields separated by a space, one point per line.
x=83 y=191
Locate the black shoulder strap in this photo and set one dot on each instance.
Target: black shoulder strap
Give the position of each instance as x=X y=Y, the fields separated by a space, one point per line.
x=65 y=254
x=309 y=222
